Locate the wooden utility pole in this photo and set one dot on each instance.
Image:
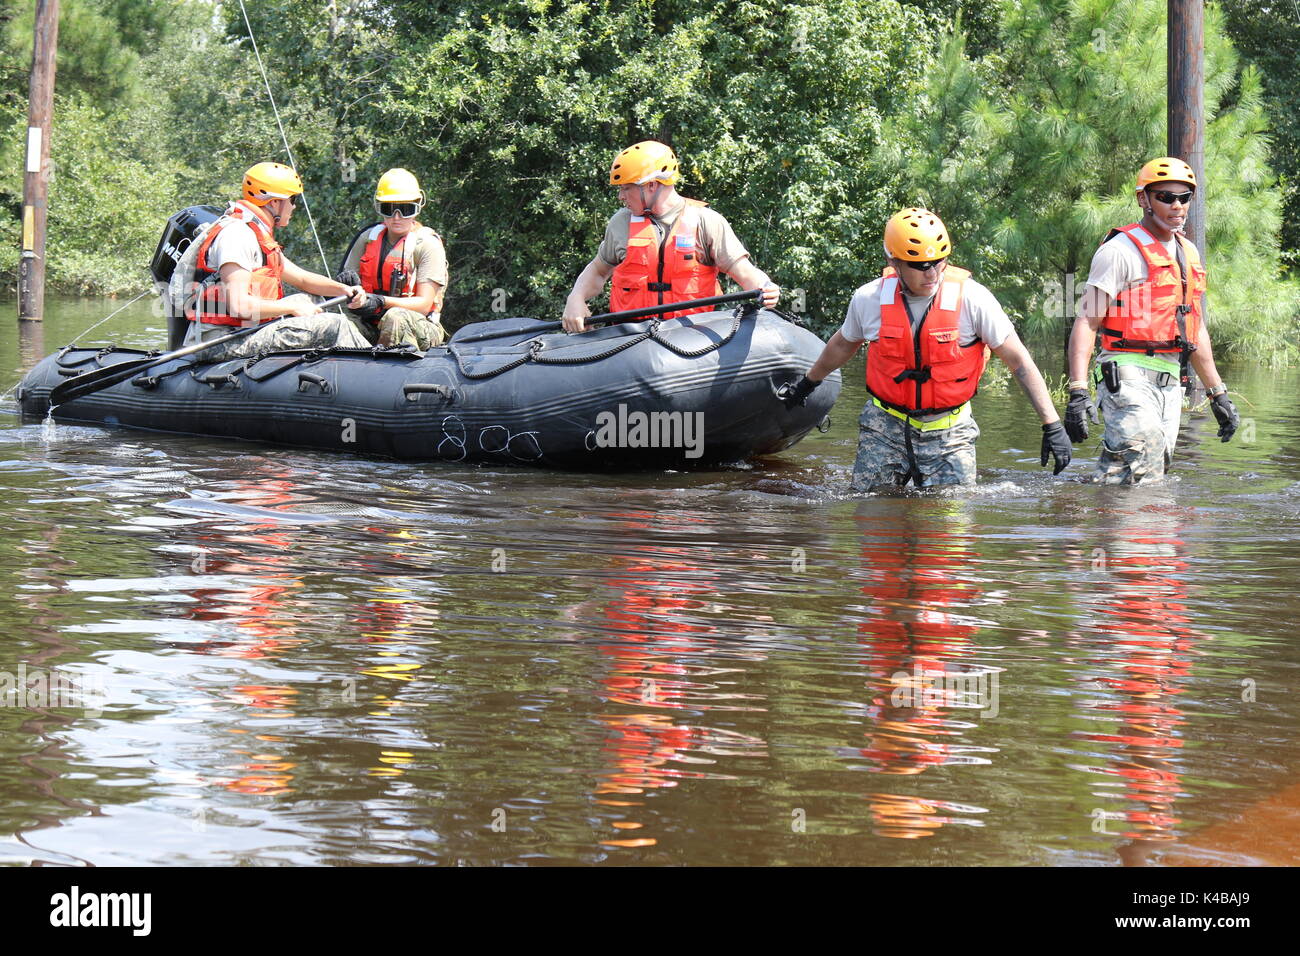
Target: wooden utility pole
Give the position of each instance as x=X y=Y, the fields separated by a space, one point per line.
x=1186 y=102
x=31 y=266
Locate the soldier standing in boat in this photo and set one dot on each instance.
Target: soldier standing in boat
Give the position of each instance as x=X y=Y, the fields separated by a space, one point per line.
x=930 y=327
x=402 y=265
x=662 y=248
x=1145 y=293
x=239 y=268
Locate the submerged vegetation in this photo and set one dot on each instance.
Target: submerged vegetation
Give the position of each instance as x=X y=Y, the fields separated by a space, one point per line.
x=805 y=123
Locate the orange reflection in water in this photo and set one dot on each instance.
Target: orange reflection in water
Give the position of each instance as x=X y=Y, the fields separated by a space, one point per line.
x=926 y=686
x=659 y=665
x=1140 y=651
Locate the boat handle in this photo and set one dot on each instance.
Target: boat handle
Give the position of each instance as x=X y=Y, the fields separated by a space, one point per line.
x=215 y=380
x=306 y=379
x=414 y=390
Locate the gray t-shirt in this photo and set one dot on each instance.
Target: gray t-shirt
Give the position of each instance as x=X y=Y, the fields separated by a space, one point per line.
x=981 y=316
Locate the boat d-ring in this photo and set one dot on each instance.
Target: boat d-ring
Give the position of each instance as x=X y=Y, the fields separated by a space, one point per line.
x=824 y=425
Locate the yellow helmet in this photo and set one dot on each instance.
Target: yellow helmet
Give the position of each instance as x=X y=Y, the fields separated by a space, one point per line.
x=267 y=181
x=1166 y=169
x=642 y=162
x=916 y=235
x=398 y=185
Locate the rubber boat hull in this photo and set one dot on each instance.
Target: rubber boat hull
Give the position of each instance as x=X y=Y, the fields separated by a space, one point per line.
x=697 y=391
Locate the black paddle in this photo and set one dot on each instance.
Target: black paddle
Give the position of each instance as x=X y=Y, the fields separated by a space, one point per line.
x=751 y=295
x=110 y=375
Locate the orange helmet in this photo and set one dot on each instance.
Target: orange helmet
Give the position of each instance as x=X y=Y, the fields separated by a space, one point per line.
x=267 y=181
x=642 y=162
x=916 y=235
x=1166 y=169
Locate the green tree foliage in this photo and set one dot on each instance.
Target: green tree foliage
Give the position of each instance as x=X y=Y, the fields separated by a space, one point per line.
x=1268 y=35
x=98 y=197
x=510 y=113
x=805 y=123
x=1030 y=155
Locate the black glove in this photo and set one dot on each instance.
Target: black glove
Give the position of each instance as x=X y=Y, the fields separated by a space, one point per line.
x=1227 y=415
x=1077 y=414
x=797 y=394
x=1056 y=443
x=372 y=310
x=348 y=277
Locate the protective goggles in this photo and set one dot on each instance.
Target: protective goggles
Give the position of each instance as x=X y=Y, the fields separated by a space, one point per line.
x=927 y=266
x=1169 y=198
x=403 y=210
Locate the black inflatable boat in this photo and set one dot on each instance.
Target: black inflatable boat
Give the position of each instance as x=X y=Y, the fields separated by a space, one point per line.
x=694 y=391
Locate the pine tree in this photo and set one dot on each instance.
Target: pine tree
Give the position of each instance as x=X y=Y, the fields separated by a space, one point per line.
x=1030 y=154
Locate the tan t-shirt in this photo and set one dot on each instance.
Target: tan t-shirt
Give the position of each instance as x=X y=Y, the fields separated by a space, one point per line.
x=428 y=256
x=714 y=238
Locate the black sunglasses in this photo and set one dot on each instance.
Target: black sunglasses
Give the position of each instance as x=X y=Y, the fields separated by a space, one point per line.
x=927 y=266
x=1169 y=198
x=406 y=210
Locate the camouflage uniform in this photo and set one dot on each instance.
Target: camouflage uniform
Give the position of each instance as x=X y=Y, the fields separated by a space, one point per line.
x=1141 y=430
x=320 y=331
x=404 y=327
x=944 y=456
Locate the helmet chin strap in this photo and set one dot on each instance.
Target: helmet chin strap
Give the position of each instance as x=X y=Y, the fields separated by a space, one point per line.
x=898 y=271
x=646 y=205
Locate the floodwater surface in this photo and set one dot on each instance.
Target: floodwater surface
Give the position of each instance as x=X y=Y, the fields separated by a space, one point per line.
x=223 y=653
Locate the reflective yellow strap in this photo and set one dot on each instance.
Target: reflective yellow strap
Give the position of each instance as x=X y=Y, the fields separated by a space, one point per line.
x=947 y=421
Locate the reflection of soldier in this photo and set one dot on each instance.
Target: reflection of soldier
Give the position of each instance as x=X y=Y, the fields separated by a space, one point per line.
x=650 y=628
x=1142 y=645
x=919 y=664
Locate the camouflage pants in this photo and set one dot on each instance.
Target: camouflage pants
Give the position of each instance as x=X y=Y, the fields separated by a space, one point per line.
x=1141 y=431
x=320 y=331
x=890 y=452
x=400 y=326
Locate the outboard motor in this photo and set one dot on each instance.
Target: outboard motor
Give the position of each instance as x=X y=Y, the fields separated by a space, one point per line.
x=182 y=230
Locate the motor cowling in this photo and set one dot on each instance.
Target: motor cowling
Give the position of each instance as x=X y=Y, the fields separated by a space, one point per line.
x=181 y=232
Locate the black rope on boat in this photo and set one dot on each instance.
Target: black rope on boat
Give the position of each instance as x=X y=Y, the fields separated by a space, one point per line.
x=536 y=350
x=649 y=333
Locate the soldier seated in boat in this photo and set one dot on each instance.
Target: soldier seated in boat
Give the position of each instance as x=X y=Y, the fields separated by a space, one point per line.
x=239 y=268
x=662 y=248
x=402 y=265
x=930 y=327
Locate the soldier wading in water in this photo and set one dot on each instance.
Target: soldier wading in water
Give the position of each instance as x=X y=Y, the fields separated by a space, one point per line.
x=1144 y=293
x=930 y=326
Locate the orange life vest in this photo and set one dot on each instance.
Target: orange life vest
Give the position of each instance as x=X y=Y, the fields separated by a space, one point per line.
x=376 y=276
x=1146 y=318
x=652 y=274
x=930 y=371
x=210 y=305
